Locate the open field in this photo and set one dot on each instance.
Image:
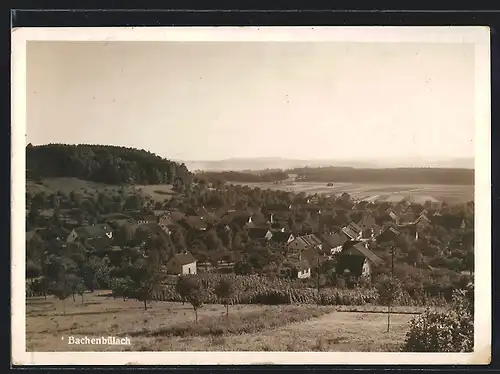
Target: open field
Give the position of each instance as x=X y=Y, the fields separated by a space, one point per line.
x=158 y=192
x=169 y=326
x=381 y=192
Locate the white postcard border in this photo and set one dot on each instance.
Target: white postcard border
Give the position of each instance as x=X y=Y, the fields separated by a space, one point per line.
x=479 y=36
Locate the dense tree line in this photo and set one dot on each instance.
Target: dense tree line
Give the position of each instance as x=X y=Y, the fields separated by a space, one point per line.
x=103 y=163
x=396 y=175
x=244 y=177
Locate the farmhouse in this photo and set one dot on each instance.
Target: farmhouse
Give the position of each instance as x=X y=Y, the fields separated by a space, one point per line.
x=353 y=231
x=332 y=243
x=306 y=247
x=181 y=264
x=90 y=232
x=304 y=242
x=356 y=260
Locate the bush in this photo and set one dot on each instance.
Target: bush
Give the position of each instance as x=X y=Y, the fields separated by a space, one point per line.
x=452 y=331
x=389 y=290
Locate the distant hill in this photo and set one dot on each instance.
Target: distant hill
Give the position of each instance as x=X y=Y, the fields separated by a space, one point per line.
x=263 y=163
x=103 y=164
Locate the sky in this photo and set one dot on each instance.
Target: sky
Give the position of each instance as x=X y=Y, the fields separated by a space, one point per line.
x=219 y=100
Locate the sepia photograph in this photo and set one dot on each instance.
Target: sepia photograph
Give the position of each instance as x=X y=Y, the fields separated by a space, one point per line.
x=234 y=195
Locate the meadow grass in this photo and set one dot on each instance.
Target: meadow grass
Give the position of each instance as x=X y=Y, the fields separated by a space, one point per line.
x=170 y=326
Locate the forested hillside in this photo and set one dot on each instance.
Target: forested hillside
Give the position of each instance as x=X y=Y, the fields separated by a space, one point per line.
x=103 y=163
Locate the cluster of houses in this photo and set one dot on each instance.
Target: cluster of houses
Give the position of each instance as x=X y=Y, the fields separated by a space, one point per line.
x=350 y=245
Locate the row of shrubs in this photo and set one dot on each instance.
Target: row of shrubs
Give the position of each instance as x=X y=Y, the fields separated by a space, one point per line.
x=273 y=296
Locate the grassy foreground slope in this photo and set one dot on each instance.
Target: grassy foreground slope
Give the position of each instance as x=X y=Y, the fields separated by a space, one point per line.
x=170 y=326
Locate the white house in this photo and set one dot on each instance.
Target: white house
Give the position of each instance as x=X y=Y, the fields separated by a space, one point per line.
x=182 y=264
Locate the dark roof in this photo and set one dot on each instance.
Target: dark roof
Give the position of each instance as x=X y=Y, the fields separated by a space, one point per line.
x=184 y=258
x=334 y=240
x=280 y=236
x=92 y=231
x=350 y=232
x=257 y=232
x=308 y=240
x=359 y=249
x=99 y=243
